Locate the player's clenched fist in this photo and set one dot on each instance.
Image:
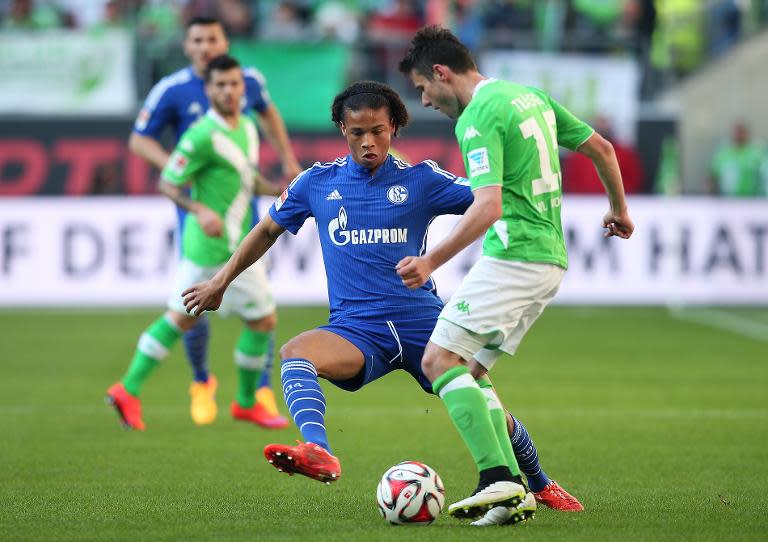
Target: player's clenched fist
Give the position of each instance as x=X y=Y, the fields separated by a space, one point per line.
x=414 y=271
x=209 y=221
x=204 y=296
x=618 y=225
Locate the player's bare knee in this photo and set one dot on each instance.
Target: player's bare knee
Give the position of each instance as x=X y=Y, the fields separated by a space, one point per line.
x=296 y=348
x=476 y=370
x=264 y=325
x=182 y=321
x=289 y=350
x=431 y=363
x=510 y=423
x=437 y=360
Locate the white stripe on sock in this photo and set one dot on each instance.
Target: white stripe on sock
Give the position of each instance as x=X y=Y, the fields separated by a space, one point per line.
x=298 y=366
x=289 y=364
x=307 y=410
x=245 y=361
x=149 y=346
x=491 y=399
x=310 y=423
x=463 y=381
x=290 y=406
x=306 y=391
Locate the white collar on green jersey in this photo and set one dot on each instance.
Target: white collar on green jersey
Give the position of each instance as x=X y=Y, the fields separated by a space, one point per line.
x=483 y=83
x=219 y=119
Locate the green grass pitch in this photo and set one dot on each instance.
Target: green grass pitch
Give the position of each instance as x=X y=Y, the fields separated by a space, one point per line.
x=658 y=423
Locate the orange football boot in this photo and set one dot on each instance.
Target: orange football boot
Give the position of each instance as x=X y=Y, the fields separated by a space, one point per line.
x=305 y=458
x=128 y=406
x=258 y=414
x=557 y=498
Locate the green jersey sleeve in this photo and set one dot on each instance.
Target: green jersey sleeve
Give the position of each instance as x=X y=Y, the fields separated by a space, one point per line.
x=482 y=148
x=189 y=157
x=571 y=131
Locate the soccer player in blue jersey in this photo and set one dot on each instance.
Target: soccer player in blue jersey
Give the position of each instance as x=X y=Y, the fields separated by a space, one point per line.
x=371 y=209
x=176 y=102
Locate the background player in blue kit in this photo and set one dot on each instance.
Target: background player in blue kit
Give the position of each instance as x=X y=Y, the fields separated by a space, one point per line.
x=370 y=210
x=176 y=102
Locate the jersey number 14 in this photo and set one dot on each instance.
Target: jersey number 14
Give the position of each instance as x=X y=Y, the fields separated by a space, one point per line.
x=549 y=180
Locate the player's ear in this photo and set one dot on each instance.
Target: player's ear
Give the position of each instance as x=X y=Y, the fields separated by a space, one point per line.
x=343 y=128
x=440 y=72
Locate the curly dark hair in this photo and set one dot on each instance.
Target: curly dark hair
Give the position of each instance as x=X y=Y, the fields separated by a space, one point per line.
x=435 y=45
x=369 y=95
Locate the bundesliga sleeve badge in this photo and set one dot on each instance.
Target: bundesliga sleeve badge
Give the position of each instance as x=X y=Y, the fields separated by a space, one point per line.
x=281 y=199
x=478 y=162
x=179 y=163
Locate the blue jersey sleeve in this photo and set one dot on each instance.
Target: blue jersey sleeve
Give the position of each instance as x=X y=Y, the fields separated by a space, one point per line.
x=256 y=87
x=292 y=208
x=157 y=111
x=449 y=194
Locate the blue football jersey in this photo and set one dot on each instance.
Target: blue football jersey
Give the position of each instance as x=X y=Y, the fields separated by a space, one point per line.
x=179 y=99
x=367 y=225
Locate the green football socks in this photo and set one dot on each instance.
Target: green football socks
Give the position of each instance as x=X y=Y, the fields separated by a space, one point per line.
x=154 y=346
x=499 y=421
x=250 y=357
x=468 y=409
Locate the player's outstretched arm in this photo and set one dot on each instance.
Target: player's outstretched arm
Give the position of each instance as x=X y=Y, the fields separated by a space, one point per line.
x=484 y=211
x=208 y=295
x=149 y=149
x=274 y=128
x=263 y=187
x=209 y=220
x=600 y=151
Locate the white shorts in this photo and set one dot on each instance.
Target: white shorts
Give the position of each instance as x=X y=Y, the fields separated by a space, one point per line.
x=494 y=307
x=249 y=296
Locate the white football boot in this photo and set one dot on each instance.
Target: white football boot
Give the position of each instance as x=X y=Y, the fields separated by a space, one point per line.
x=509 y=515
x=504 y=494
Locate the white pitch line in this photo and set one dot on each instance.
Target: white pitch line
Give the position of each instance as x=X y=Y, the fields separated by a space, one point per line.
x=724 y=320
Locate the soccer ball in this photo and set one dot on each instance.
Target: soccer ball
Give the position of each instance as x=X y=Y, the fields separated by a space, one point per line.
x=410 y=493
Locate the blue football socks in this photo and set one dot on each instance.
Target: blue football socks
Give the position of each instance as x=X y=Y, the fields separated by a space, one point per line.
x=528 y=457
x=305 y=400
x=196 y=346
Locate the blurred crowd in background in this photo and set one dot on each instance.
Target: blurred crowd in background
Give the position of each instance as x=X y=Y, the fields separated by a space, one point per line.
x=671 y=39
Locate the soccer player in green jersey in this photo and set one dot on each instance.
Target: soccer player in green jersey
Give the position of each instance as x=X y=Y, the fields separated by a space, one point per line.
x=217 y=156
x=176 y=102
x=509 y=136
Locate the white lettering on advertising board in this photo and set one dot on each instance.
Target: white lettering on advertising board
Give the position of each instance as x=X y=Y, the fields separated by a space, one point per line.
x=122 y=252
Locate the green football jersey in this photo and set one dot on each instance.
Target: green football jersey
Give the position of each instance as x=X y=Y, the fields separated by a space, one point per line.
x=219 y=163
x=738 y=170
x=509 y=136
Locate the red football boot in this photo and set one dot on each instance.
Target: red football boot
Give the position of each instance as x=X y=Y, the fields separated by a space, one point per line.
x=557 y=498
x=305 y=458
x=128 y=406
x=259 y=415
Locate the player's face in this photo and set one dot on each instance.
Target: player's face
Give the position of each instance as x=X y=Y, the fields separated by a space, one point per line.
x=225 y=89
x=369 y=133
x=204 y=42
x=436 y=93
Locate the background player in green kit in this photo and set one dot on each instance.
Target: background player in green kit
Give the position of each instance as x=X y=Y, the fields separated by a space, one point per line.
x=217 y=156
x=509 y=136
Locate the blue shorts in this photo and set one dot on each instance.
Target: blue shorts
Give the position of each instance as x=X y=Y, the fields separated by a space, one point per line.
x=387 y=346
